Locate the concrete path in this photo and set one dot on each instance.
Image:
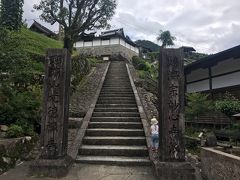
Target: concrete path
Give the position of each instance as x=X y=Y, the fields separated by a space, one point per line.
x=88 y=172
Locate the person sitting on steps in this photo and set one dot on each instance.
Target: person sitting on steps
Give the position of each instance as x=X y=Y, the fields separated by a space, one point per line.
x=154 y=134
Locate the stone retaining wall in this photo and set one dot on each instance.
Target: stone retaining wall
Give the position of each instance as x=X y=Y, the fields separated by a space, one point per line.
x=14 y=150
x=217 y=165
x=108 y=51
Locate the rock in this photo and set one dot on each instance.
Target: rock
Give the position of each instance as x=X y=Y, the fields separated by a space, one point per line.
x=6 y=160
x=3 y=128
x=211 y=140
x=28 y=138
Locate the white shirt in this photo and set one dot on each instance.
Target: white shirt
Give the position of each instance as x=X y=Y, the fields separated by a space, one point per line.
x=154 y=129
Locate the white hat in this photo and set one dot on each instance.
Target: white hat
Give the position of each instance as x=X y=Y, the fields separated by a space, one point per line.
x=154 y=121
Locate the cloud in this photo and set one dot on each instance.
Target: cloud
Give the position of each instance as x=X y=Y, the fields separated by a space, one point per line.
x=209 y=26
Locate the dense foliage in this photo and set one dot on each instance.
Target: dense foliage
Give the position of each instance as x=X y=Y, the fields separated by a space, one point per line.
x=144 y=67
x=15 y=131
x=197 y=104
x=21 y=77
x=229 y=105
x=11 y=14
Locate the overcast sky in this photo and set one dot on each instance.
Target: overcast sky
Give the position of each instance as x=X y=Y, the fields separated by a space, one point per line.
x=209 y=26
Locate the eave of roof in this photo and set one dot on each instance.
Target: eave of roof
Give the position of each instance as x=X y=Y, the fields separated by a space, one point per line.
x=214 y=59
x=42 y=28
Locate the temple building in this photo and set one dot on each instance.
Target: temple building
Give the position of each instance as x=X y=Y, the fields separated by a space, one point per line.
x=36 y=27
x=107 y=44
x=215 y=74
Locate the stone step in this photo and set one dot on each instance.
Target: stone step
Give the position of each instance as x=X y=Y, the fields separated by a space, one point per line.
x=117 y=98
x=115 y=110
x=117 y=87
x=115 y=105
x=122 y=79
x=115 y=119
x=112 y=101
x=116 y=95
x=118 y=125
x=114 y=160
x=115 y=114
x=113 y=150
x=114 y=140
x=117 y=92
x=123 y=85
x=126 y=90
x=114 y=132
x=117 y=82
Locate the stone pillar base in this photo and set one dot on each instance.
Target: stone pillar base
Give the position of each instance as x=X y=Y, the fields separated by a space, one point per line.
x=55 y=168
x=174 y=171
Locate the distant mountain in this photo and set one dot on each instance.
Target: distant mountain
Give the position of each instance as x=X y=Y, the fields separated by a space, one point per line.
x=148 y=44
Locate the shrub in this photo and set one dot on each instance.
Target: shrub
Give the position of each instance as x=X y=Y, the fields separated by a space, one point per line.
x=81 y=65
x=197 y=104
x=19 y=106
x=15 y=131
x=136 y=60
x=142 y=74
x=229 y=105
x=92 y=60
x=142 y=67
x=28 y=127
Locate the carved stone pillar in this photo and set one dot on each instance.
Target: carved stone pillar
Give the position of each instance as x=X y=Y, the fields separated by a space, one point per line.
x=171 y=164
x=53 y=160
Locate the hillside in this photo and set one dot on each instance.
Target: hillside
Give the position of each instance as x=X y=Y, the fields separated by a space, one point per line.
x=148 y=44
x=36 y=43
x=192 y=57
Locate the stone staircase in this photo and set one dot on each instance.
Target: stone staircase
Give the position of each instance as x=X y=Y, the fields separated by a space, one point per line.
x=115 y=133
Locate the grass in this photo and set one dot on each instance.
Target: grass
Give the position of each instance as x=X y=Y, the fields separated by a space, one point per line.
x=35 y=43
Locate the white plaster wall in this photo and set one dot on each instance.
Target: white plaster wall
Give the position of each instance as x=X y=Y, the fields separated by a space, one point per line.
x=105 y=42
x=198 y=86
x=197 y=75
x=122 y=42
x=136 y=50
x=88 y=43
x=226 y=66
x=79 y=44
x=114 y=41
x=128 y=46
x=97 y=42
x=227 y=80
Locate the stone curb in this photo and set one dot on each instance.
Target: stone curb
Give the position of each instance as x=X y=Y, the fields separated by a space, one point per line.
x=143 y=116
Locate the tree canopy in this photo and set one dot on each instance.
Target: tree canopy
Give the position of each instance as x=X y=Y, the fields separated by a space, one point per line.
x=11 y=14
x=148 y=44
x=166 y=38
x=77 y=16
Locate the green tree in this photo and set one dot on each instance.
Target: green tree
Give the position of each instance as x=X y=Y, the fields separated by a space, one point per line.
x=166 y=38
x=77 y=16
x=197 y=104
x=229 y=105
x=11 y=14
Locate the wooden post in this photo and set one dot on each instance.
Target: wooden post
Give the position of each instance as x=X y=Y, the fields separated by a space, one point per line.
x=53 y=160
